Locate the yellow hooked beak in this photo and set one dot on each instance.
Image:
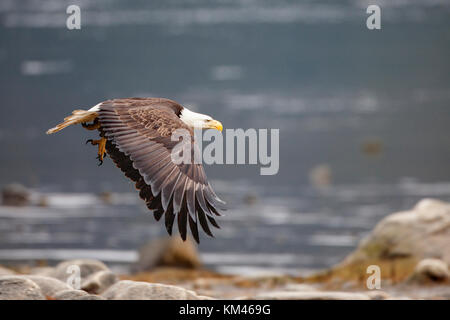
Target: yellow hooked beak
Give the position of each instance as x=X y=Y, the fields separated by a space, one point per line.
x=213 y=124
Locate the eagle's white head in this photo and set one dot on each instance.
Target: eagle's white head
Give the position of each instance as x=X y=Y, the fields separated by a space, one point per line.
x=198 y=120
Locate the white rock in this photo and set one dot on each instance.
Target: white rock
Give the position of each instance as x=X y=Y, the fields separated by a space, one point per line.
x=167 y=252
x=48 y=286
x=134 y=290
x=19 y=288
x=431 y=270
x=76 y=295
x=417 y=234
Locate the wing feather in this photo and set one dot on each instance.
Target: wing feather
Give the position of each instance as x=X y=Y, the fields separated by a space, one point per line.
x=169 y=187
x=182 y=220
x=190 y=197
x=194 y=229
x=179 y=194
x=139 y=142
x=201 y=201
x=170 y=217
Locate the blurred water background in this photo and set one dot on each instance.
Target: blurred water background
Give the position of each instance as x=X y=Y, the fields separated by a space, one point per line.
x=363 y=118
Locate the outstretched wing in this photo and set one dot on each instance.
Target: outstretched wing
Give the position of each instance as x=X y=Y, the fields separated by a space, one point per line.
x=139 y=142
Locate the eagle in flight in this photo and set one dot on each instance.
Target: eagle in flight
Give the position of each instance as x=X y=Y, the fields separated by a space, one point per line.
x=136 y=134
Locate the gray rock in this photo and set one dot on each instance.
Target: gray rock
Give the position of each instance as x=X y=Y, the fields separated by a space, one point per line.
x=76 y=295
x=92 y=297
x=70 y=294
x=15 y=195
x=6 y=272
x=308 y=295
x=48 y=286
x=87 y=268
x=201 y=297
x=167 y=252
x=431 y=270
x=299 y=287
x=19 y=288
x=99 y=281
x=378 y=295
x=134 y=290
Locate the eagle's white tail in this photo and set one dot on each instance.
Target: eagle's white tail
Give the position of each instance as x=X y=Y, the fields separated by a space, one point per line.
x=77 y=116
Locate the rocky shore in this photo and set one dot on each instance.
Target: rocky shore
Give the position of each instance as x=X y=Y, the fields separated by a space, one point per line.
x=410 y=250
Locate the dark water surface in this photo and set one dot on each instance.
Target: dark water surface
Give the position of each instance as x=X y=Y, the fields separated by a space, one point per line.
x=309 y=68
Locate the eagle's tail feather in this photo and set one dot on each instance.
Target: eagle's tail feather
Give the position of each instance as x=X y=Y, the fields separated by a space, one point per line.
x=77 y=116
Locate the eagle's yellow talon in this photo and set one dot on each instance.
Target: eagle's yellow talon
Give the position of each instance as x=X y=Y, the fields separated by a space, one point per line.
x=101 y=148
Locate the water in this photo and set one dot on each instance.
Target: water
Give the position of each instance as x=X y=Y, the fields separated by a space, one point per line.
x=272 y=232
x=309 y=68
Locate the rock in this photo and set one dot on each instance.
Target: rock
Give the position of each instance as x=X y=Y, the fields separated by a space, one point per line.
x=99 y=281
x=70 y=294
x=48 y=286
x=42 y=271
x=299 y=287
x=19 y=288
x=431 y=270
x=87 y=267
x=135 y=290
x=378 y=295
x=399 y=241
x=6 y=272
x=15 y=195
x=202 y=297
x=76 y=295
x=168 y=252
x=399 y=298
x=92 y=297
x=308 y=295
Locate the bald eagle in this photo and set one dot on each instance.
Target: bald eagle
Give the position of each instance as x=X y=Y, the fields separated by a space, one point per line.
x=136 y=134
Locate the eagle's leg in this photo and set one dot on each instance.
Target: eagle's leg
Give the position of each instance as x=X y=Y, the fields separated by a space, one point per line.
x=92 y=126
x=101 y=143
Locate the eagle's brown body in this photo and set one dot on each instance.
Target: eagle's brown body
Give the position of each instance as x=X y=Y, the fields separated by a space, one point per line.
x=136 y=134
